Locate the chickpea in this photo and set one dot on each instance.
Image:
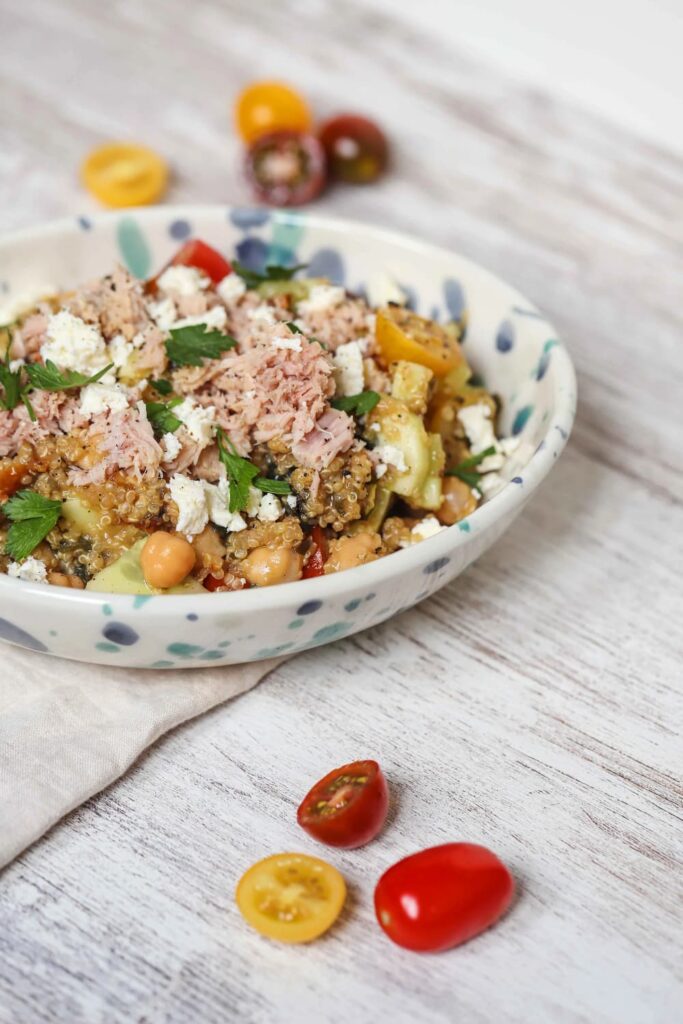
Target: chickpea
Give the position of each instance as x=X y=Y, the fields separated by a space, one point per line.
x=166 y=559
x=265 y=566
x=458 y=501
x=349 y=552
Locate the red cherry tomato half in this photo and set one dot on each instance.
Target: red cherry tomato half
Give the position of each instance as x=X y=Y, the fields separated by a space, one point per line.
x=315 y=563
x=355 y=147
x=286 y=168
x=442 y=896
x=348 y=807
x=200 y=255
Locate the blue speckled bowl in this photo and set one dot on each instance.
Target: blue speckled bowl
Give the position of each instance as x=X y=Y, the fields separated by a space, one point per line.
x=509 y=343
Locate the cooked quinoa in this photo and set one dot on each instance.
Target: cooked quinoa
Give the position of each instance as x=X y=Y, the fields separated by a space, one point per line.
x=216 y=429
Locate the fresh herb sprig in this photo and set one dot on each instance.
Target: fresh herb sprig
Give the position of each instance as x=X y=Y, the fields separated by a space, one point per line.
x=32 y=517
x=252 y=278
x=243 y=474
x=159 y=414
x=49 y=377
x=359 y=404
x=164 y=387
x=14 y=390
x=293 y=327
x=466 y=472
x=191 y=345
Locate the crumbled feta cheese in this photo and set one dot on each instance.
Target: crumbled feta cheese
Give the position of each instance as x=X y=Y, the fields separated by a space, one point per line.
x=120 y=350
x=24 y=302
x=214 y=319
x=270 y=509
x=171 y=447
x=231 y=288
x=291 y=500
x=262 y=312
x=490 y=484
x=163 y=313
x=294 y=344
x=392 y=456
x=199 y=420
x=322 y=298
x=189 y=497
x=254 y=501
x=380 y=469
x=31 y=569
x=382 y=289
x=97 y=398
x=427 y=527
x=73 y=345
x=183 y=280
x=16 y=364
x=349 y=374
x=217 y=502
x=376 y=427
x=476 y=419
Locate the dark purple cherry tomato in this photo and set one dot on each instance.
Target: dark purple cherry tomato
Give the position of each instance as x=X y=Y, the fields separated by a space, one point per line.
x=355 y=147
x=286 y=168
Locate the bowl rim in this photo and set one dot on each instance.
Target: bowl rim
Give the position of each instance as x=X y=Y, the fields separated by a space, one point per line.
x=509 y=500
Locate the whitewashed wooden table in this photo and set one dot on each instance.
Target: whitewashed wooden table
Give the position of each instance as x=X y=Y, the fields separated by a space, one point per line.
x=534 y=705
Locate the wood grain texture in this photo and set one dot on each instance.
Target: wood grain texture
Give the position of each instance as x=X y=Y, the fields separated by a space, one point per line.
x=534 y=705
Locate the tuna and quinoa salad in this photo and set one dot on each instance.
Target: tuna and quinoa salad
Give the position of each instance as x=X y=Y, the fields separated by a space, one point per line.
x=216 y=429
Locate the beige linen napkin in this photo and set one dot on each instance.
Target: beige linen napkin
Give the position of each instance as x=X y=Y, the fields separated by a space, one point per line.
x=67 y=730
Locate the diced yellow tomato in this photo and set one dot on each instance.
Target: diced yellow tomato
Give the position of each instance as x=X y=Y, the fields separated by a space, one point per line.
x=402 y=334
x=291 y=897
x=124 y=174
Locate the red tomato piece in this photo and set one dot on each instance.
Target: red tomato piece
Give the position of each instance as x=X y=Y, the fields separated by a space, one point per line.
x=200 y=255
x=348 y=807
x=286 y=168
x=355 y=147
x=315 y=563
x=442 y=896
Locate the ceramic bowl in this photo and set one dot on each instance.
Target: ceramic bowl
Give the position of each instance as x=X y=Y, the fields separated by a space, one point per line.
x=509 y=344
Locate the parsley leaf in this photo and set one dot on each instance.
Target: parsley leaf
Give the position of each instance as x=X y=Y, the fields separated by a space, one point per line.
x=164 y=387
x=293 y=327
x=50 y=378
x=32 y=517
x=240 y=472
x=252 y=278
x=14 y=390
x=160 y=416
x=466 y=472
x=271 y=486
x=358 y=404
x=189 y=346
x=243 y=474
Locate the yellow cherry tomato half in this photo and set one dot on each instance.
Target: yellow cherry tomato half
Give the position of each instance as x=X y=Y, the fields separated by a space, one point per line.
x=402 y=334
x=291 y=897
x=266 y=107
x=124 y=174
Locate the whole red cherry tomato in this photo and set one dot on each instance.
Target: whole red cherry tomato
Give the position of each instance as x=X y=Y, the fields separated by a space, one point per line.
x=442 y=896
x=356 y=148
x=286 y=168
x=200 y=255
x=348 y=807
x=315 y=563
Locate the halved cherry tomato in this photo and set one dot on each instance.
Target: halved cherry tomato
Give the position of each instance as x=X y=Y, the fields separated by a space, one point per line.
x=266 y=107
x=402 y=334
x=348 y=807
x=315 y=563
x=286 y=168
x=291 y=897
x=123 y=174
x=200 y=255
x=355 y=147
x=442 y=896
